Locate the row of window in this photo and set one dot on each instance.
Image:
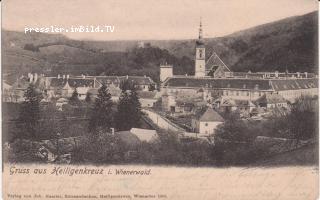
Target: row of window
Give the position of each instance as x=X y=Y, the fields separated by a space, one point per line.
x=241 y=93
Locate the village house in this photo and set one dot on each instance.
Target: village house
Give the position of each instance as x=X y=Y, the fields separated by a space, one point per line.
x=147 y=98
x=271 y=101
x=206 y=122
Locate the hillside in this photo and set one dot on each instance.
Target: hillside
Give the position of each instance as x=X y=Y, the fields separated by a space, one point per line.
x=289 y=44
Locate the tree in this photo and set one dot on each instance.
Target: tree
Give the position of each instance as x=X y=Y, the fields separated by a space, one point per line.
x=74 y=99
x=303 y=119
x=129 y=108
x=30 y=111
x=102 y=114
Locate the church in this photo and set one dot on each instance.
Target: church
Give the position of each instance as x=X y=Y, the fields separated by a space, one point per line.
x=214 y=83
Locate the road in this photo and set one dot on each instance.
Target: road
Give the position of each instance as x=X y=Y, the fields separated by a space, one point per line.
x=162 y=122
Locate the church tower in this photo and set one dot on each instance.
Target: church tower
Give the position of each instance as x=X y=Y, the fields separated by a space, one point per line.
x=200 y=64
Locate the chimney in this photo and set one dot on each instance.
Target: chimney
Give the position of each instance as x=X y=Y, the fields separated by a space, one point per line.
x=67 y=76
x=306 y=74
x=298 y=74
x=276 y=74
x=127 y=77
x=63 y=76
x=59 y=76
x=145 y=76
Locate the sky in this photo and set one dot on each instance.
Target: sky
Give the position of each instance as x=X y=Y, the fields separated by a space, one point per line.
x=150 y=19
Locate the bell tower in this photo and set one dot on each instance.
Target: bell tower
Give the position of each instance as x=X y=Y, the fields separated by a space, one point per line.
x=200 y=63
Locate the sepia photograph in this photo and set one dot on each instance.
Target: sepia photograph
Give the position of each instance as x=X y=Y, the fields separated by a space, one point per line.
x=182 y=92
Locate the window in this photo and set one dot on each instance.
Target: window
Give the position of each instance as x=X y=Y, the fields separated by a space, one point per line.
x=200 y=53
x=248 y=94
x=206 y=124
x=237 y=93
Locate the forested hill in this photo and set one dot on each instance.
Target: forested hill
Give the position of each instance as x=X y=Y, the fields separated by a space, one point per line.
x=289 y=44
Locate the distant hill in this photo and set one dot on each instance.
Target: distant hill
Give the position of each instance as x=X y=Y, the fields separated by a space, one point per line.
x=55 y=54
x=289 y=44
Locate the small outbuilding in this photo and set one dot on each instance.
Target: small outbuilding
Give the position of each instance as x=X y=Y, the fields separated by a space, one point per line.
x=206 y=122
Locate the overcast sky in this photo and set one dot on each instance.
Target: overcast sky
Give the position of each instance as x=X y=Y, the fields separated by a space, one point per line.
x=150 y=19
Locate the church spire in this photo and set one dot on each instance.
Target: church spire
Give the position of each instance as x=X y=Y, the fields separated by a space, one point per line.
x=200 y=38
x=200 y=30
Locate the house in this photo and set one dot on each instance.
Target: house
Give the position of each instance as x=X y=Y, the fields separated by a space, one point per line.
x=206 y=122
x=272 y=101
x=147 y=98
x=143 y=83
x=185 y=107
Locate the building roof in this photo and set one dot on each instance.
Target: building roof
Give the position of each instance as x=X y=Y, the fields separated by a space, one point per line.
x=236 y=102
x=73 y=82
x=6 y=86
x=210 y=115
x=109 y=80
x=138 y=80
x=294 y=84
x=113 y=90
x=242 y=83
x=146 y=135
x=214 y=62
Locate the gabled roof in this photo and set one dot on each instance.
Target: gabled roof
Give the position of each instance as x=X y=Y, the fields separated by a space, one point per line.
x=210 y=115
x=214 y=61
